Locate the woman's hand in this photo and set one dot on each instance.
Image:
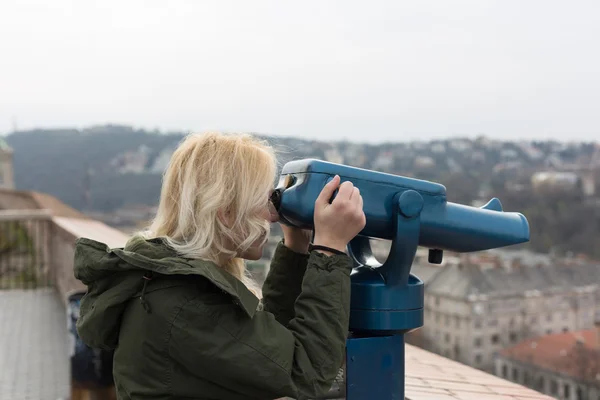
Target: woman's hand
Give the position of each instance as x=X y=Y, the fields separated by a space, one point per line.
x=339 y=222
x=296 y=239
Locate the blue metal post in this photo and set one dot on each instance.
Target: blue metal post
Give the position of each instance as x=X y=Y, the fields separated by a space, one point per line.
x=386 y=303
x=375 y=367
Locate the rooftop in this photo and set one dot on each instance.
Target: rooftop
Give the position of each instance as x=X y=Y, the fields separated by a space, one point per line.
x=430 y=376
x=464 y=280
x=574 y=354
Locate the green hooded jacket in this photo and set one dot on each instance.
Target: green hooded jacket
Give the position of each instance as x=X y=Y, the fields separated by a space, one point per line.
x=186 y=329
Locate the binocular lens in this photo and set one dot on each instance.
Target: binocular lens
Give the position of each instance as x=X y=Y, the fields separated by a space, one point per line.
x=276 y=198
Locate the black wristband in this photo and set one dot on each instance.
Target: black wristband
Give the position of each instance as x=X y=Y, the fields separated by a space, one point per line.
x=312 y=247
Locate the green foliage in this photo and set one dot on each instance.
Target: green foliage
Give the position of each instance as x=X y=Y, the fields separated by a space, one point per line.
x=18 y=255
x=14 y=238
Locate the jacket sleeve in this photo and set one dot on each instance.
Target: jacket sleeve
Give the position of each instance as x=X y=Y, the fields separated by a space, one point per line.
x=258 y=357
x=283 y=283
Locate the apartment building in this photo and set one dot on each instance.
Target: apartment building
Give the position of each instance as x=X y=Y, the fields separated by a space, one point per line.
x=472 y=312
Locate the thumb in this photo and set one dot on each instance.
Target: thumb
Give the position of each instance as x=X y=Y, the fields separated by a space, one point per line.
x=328 y=191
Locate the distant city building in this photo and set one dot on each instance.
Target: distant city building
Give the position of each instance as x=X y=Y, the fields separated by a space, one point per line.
x=555 y=181
x=333 y=155
x=162 y=161
x=473 y=309
x=424 y=162
x=588 y=181
x=564 y=365
x=6 y=166
x=134 y=162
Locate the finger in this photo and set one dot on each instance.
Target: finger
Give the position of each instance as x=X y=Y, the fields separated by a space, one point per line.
x=345 y=191
x=328 y=190
x=355 y=193
x=360 y=202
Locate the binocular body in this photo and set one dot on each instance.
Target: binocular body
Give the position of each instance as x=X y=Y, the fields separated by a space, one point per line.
x=409 y=212
x=443 y=225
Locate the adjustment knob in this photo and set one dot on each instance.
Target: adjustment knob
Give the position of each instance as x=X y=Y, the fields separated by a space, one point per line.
x=436 y=256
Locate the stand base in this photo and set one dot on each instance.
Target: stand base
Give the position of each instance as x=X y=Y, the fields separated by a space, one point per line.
x=375 y=368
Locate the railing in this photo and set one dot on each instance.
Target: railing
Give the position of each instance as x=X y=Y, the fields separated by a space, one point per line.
x=25 y=249
x=36 y=251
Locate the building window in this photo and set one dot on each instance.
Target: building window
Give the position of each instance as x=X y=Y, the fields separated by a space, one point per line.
x=553 y=387
x=533 y=320
x=437 y=301
x=540 y=384
x=567 y=390
x=565 y=329
x=447 y=338
x=549 y=317
x=579 y=394
x=495 y=339
x=505 y=371
x=478 y=359
x=513 y=337
x=478 y=342
x=478 y=324
x=447 y=320
x=515 y=375
x=437 y=317
x=457 y=321
x=493 y=322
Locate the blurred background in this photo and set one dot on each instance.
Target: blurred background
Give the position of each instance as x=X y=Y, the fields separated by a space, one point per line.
x=490 y=98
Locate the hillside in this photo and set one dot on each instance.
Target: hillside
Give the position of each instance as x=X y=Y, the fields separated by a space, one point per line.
x=121 y=167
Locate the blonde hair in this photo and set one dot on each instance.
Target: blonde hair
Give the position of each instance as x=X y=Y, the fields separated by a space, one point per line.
x=211 y=173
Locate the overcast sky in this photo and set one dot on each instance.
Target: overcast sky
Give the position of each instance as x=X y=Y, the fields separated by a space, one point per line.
x=360 y=70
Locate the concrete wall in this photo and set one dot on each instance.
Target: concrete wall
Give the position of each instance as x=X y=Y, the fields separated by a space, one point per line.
x=63 y=251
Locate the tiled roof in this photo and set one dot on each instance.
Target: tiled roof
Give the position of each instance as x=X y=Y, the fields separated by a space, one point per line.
x=425 y=272
x=463 y=280
x=575 y=354
x=430 y=376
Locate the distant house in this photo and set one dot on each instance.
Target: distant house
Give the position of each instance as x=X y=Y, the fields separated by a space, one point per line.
x=564 y=365
x=555 y=181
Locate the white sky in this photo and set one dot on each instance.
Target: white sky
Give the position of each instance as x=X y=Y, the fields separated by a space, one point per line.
x=360 y=70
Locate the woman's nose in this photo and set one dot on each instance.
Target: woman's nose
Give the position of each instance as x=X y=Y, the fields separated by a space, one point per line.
x=274 y=218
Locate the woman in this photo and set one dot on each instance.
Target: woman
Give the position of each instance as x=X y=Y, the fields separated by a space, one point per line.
x=175 y=303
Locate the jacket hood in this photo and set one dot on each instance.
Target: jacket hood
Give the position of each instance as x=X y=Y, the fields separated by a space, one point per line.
x=114 y=276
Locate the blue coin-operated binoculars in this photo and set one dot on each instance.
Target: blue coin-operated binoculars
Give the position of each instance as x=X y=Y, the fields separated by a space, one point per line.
x=386 y=299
